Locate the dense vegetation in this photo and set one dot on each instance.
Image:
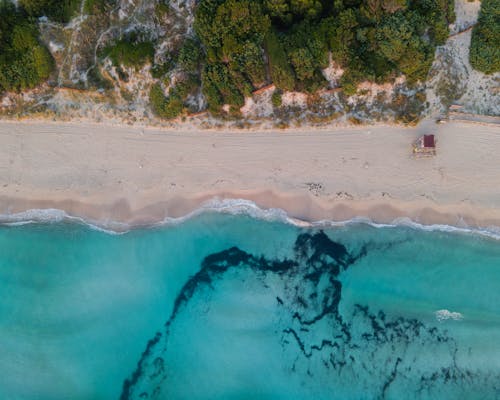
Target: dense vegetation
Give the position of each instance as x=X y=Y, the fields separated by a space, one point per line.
x=93 y=7
x=55 y=10
x=130 y=52
x=189 y=59
x=485 y=43
x=250 y=42
x=24 y=62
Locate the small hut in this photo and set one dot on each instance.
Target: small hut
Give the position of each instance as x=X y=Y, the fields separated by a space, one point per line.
x=425 y=146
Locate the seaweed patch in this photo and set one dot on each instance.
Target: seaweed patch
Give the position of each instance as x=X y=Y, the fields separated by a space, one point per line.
x=357 y=345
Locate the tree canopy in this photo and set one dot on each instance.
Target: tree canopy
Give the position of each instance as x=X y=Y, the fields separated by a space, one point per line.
x=248 y=43
x=485 y=42
x=56 y=10
x=24 y=61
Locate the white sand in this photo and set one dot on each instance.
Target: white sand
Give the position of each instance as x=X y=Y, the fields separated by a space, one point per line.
x=140 y=176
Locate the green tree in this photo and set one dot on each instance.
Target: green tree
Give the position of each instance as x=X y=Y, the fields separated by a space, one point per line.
x=485 y=43
x=288 y=10
x=24 y=61
x=281 y=72
x=190 y=56
x=374 y=40
x=303 y=63
x=232 y=33
x=56 y=10
x=341 y=34
x=401 y=45
x=165 y=107
x=130 y=53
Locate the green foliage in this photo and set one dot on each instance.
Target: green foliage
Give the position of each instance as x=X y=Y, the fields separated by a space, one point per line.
x=220 y=88
x=165 y=107
x=130 y=53
x=485 y=42
x=232 y=33
x=286 y=11
x=173 y=105
x=162 y=9
x=24 y=62
x=56 y=10
x=277 y=98
x=190 y=56
x=303 y=63
x=94 y=7
x=374 y=40
x=399 y=43
x=307 y=52
x=249 y=63
x=158 y=71
x=280 y=69
x=341 y=35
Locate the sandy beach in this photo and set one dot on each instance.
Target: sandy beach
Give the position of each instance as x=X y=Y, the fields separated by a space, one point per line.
x=141 y=176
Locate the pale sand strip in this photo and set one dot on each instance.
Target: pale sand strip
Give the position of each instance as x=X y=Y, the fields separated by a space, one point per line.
x=126 y=174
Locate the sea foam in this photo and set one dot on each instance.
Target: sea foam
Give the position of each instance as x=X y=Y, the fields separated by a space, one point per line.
x=443 y=315
x=232 y=207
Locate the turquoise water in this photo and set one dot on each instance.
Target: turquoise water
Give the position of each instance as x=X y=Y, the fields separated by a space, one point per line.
x=232 y=307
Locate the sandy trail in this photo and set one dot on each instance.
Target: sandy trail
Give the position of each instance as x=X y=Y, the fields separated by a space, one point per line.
x=140 y=176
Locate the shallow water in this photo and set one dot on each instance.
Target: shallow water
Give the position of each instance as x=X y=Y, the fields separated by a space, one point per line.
x=232 y=307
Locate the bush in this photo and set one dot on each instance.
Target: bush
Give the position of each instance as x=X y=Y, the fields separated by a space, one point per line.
x=220 y=88
x=56 y=10
x=277 y=98
x=129 y=53
x=157 y=99
x=165 y=107
x=94 y=7
x=374 y=40
x=232 y=33
x=158 y=71
x=24 y=62
x=485 y=43
x=280 y=69
x=190 y=56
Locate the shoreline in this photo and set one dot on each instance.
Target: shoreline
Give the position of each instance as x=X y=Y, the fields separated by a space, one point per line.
x=129 y=177
x=432 y=221
x=301 y=210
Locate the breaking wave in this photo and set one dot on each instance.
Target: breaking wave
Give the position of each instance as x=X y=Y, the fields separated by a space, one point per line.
x=443 y=315
x=232 y=207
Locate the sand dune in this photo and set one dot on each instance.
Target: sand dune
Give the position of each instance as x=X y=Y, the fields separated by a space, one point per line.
x=140 y=176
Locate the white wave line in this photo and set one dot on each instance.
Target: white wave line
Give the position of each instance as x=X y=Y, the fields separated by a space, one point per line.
x=233 y=207
x=443 y=315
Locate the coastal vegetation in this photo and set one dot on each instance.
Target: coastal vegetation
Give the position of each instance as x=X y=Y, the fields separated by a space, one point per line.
x=248 y=43
x=485 y=42
x=24 y=61
x=130 y=52
x=213 y=54
x=55 y=10
x=93 y=7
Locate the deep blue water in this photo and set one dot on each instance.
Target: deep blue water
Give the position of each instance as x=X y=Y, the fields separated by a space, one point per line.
x=232 y=307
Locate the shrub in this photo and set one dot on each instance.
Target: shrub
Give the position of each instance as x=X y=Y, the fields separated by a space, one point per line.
x=130 y=53
x=190 y=56
x=374 y=40
x=160 y=70
x=280 y=69
x=157 y=99
x=24 y=62
x=94 y=7
x=165 y=107
x=56 y=10
x=485 y=43
x=276 y=98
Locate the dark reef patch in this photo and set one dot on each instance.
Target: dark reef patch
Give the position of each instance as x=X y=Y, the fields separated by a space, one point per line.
x=375 y=351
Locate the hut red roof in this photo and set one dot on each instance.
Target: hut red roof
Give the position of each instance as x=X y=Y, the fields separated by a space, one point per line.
x=429 y=141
